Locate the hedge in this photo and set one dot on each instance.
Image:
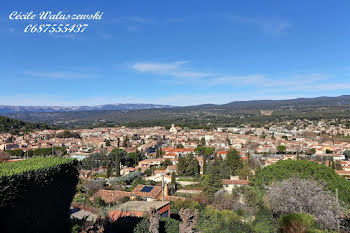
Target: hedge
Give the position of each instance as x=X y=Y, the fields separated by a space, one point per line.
x=35 y=194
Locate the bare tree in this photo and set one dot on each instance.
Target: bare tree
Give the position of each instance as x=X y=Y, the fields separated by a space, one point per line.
x=324 y=138
x=252 y=145
x=154 y=218
x=99 y=226
x=306 y=196
x=93 y=186
x=189 y=220
x=224 y=201
x=3 y=156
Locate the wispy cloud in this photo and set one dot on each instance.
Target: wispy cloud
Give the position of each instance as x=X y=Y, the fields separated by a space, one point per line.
x=183 y=75
x=174 y=69
x=58 y=74
x=271 y=26
x=157 y=67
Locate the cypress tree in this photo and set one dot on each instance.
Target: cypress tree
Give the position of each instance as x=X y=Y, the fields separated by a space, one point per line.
x=117 y=164
x=173 y=180
x=333 y=165
x=196 y=167
x=108 y=172
x=205 y=166
x=212 y=181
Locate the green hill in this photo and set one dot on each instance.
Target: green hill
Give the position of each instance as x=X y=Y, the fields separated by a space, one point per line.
x=9 y=125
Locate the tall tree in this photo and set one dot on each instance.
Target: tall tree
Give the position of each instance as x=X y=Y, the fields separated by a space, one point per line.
x=196 y=167
x=173 y=178
x=212 y=181
x=117 y=164
x=108 y=171
x=281 y=149
x=244 y=172
x=108 y=142
x=202 y=142
x=234 y=160
x=181 y=166
x=205 y=165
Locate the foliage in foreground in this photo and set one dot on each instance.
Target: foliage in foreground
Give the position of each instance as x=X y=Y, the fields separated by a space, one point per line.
x=166 y=225
x=307 y=196
x=35 y=194
x=225 y=221
x=296 y=222
x=33 y=164
x=303 y=169
x=128 y=178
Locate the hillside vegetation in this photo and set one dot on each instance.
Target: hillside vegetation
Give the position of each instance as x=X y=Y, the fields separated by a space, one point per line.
x=201 y=116
x=9 y=125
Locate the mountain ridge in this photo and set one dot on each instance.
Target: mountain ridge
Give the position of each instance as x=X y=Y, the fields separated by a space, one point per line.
x=206 y=114
x=117 y=106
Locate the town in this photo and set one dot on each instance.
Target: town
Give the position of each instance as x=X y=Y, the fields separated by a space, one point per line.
x=130 y=172
x=175 y=116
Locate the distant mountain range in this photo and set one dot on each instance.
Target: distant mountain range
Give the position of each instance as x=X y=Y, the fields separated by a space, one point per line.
x=233 y=113
x=32 y=109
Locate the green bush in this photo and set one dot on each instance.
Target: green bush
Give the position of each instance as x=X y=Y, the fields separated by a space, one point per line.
x=169 y=225
x=177 y=205
x=128 y=178
x=319 y=231
x=35 y=194
x=263 y=222
x=303 y=169
x=296 y=222
x=166 y=225
x=223 y=221
x=142 y=226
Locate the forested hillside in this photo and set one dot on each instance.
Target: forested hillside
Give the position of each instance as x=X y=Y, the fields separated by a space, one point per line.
x=9 y=125
x=200 y=116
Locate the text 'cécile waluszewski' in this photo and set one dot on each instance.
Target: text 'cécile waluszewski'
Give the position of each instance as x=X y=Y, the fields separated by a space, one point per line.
x=55 y=17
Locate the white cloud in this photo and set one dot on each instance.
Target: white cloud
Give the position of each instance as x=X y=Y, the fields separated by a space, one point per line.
x=185 y=77
x=157 y=67
x=174 y=69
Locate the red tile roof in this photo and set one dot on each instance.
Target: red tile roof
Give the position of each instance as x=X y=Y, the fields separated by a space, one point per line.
x=110 y=195
x=153 y=193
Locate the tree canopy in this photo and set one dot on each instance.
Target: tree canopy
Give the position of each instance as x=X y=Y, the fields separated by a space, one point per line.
x=303 y=169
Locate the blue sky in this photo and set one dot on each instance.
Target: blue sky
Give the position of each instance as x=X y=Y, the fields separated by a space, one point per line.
x=177 y=52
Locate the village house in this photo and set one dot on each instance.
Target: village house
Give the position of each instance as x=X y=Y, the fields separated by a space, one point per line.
x=233 y=182
x=139 y=209
x=110 y=196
